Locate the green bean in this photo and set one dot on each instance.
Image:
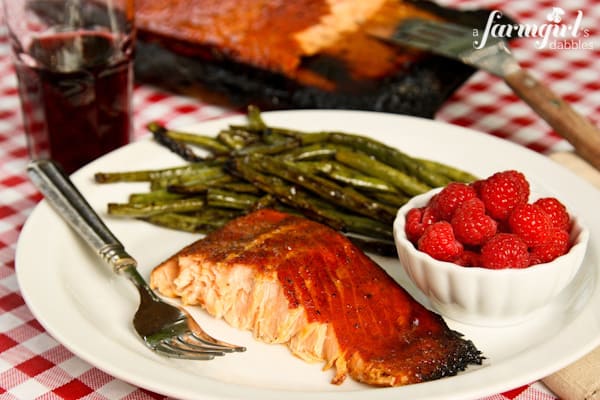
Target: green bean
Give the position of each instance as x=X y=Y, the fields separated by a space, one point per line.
x=123 y=176
x=181 y=222
x=198 y=186
x=354 y=178
x=237 y=139
x=256 y=124
x=362 y=162
x=158 y=207
x=348 y=222
x=312 y=167
x=360 y=225
x=270 y=137
x=267 y=148
x=199 y=176
x=159 y=133
x=323 y=188
x=391 y=156
x=306 y=138
x=454 y=174
x=205 y=142
x=266 y=201
x=352 y=183
x=315 y=206
x=214 y=213
x=255 y=120
x=432 y=173
x=153 y=196
x=393 y=199
x=342 y=174
x=203 y=222
x=312 y=152
x=230 y=199
x=240 y=187
x=154 y=174
x=284 y=192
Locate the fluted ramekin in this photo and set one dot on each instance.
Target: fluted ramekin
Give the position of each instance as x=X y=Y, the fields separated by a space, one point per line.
x=481 y=296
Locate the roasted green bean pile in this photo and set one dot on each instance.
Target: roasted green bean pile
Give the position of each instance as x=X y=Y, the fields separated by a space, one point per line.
x=349 y=182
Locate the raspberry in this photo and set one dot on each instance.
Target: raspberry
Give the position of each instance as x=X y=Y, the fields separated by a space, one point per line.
x=469 y=258
x=502 y=192
x=557 y=212
x=531 y=223
x=448 y=199
x=439 y=242
x=417 y=219
x=504 y=250
x=556 y=246
x=477 y=185
x=519 y=179
x=471 y=225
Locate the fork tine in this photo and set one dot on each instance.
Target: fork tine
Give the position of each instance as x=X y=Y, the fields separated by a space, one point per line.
x=454 y=41
x=203 y=337
x=179 y=349
x=196 y=333
x=169 y=351
x=183 y=344
x=442 y=38
x=417 y=41
x=439 y=30
x=449 y=39
x=192 y=340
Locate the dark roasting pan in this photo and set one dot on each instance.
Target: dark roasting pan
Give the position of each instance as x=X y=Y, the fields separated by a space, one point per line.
x=419 y=88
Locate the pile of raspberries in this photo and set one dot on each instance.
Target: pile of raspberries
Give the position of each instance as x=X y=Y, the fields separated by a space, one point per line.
x=490 y=223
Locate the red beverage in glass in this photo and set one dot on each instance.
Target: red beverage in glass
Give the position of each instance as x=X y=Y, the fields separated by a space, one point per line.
x=75 y=90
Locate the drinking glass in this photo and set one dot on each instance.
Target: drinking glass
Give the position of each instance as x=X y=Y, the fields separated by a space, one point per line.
x=73 y=60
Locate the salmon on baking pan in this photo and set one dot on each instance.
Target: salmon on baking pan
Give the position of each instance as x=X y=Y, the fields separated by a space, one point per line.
x=294 y=281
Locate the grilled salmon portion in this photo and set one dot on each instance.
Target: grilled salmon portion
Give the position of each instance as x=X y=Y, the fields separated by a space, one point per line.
x=278 y=35
x=294 y=281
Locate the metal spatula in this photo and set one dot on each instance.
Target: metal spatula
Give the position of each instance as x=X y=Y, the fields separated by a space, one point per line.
x=457 y=42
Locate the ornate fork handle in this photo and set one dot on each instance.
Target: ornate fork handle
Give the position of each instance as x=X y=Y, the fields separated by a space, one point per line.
x=60 y=192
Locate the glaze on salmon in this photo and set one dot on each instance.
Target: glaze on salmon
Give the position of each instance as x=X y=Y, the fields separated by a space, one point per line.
x=293 y=281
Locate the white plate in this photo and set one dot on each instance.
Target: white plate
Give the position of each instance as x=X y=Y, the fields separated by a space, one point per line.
x=88 y=309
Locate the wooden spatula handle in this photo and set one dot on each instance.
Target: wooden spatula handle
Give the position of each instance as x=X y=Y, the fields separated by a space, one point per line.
x=578 y=130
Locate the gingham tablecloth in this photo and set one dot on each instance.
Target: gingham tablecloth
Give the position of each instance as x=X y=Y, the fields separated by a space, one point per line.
x=34 y=366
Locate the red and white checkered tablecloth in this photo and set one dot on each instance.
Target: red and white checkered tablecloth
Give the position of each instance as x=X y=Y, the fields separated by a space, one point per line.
x=34 y=366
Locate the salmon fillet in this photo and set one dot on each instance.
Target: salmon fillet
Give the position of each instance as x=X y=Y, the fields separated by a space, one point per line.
x=278 y=35
x=296 y=282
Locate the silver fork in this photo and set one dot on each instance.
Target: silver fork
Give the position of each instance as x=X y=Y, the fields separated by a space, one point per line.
x=457 y=42
x=167 y=329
